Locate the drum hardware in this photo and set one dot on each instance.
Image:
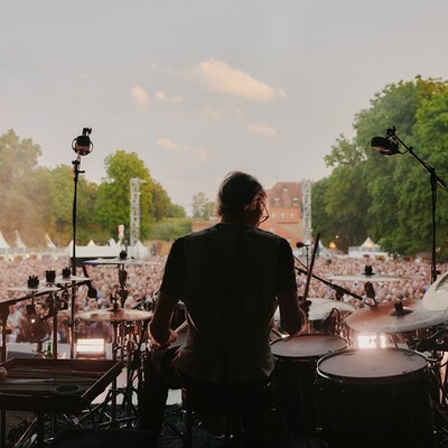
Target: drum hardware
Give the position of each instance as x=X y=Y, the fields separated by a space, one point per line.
x=339 y=290
x=122 y=343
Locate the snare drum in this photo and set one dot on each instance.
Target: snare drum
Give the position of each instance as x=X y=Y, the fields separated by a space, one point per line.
x=375 y=398
x=295 y=373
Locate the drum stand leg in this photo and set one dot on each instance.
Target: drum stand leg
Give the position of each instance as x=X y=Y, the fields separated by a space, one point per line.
x=132 y=365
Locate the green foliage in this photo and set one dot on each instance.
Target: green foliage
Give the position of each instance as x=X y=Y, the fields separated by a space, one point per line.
x=38 y=201
x=202 y=208
x=112 y=206
x=389 y=199
x=170 y=229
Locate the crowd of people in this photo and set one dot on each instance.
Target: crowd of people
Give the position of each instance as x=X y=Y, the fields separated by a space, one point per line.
x=145 y=276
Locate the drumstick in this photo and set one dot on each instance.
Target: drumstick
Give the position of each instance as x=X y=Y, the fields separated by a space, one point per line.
x=310 y=270
x=181 y=326
x=308 y=277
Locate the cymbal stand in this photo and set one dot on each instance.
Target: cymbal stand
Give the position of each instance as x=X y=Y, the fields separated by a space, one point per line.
x=438 y=395
x=57 y=304
x=123 y=293
x=133 y=371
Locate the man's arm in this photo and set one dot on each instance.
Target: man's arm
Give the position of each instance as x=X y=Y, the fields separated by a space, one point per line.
x=159 y=327
x=293 y=319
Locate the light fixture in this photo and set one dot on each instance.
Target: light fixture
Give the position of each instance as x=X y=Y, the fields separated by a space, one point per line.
x=91 y=348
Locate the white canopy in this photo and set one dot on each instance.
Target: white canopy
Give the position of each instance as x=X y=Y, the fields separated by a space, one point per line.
x=3 y=243
x=49 y=242
x=18 y=242
x=368 y=243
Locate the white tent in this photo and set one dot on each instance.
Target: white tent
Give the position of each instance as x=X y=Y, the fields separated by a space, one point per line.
x=49 y=242
x=138 y=250
x=18 y=241
x=368 y=243
x=3 y=243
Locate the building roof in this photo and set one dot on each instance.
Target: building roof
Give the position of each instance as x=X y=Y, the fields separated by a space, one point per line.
x=285 y=194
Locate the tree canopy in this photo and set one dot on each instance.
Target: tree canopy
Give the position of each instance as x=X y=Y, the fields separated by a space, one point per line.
x=389 y=198
x=37 y=201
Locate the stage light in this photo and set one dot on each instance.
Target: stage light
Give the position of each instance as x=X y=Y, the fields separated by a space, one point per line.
x=92 y=348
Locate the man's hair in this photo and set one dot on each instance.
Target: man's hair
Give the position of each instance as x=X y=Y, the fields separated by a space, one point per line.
x=238 y=193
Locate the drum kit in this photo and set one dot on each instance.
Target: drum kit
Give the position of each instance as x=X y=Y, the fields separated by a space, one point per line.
x=329 y=384
x=128 y=325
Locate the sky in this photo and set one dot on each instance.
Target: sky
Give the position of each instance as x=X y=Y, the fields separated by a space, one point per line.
x=198 y=88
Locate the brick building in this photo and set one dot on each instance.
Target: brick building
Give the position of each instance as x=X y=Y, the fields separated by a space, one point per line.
x=285 y=212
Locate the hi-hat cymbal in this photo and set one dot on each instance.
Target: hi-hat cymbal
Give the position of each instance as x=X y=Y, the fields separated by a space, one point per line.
x=368 y=278
x=117 y=261
x=115 y=315
x=436 y=297
x=387 y=317
x=321 y=308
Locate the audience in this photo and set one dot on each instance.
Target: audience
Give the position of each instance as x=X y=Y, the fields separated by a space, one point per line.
x=144 y=277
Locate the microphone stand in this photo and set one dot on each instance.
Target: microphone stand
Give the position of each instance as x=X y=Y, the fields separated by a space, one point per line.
x=82 y=145
x=435 y=180
x=76 y=165
x=340 y=291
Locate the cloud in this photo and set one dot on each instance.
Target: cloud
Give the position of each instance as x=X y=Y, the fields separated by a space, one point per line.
x=220 y=77
x=262 y=129
x=163 y=97
x=202 y=154
x=167 y=144
x=140 y=96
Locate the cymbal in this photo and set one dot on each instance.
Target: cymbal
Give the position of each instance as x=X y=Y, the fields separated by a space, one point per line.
x=71 y=278
x=40 y=288
x=321 y=308
x=436 y=297
x=117 y=261
x=386 y=317
x=115 y=315
x=368 y=278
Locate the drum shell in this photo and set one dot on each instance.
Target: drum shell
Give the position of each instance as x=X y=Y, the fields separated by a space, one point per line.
x=295 y=374
x=375 y=411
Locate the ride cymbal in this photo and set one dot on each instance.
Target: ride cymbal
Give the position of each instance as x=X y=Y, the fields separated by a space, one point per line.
x=368 y=278
x=115 y=315
x=117 y=261
x=395 y=317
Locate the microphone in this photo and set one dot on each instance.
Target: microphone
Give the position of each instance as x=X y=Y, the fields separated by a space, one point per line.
x=82 y=144
x=387 y=146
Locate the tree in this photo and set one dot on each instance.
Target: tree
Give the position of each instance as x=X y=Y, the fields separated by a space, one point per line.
x=383 y=197
x=202 y=207
x=23 y=195
x=113 y=202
